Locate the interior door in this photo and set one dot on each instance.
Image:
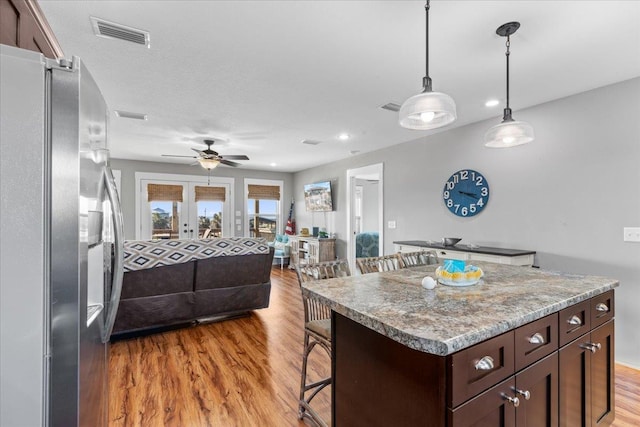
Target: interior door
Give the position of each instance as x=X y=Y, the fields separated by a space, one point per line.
x=165 y=210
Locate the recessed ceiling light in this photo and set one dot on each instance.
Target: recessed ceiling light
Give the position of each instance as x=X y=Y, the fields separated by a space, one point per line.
x=272 y=164
x=492 y=103
x=343 y=136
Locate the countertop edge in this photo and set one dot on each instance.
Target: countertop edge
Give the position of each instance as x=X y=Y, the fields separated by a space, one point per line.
x=460 y=342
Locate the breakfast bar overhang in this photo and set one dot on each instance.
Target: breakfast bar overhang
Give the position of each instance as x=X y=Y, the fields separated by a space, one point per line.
x=524 y=345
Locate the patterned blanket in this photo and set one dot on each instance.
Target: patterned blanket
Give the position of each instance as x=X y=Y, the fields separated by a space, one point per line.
x=141 y=254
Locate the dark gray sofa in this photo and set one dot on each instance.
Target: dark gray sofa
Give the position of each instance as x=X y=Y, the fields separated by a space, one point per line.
x=168 y=295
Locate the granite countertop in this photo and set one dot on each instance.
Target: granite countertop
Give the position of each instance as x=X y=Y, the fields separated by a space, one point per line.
x=461 y=247
x=447 y=319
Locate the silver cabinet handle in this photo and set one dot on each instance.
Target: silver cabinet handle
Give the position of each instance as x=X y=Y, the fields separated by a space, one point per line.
x=592 y=347
x=602 y=307
x=524 y=393
x=574 y=320
x=513 y=400
x=484 y=364
x=537 y=338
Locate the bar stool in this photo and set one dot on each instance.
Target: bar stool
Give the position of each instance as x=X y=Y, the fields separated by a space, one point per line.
x=317 y=330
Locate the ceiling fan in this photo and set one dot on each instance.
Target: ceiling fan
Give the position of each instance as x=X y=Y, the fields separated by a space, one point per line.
x=210 y=159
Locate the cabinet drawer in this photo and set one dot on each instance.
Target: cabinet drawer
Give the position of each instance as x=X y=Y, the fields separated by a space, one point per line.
x=574 y=321
x=477 y=368
x=447 y=254
x=602 y=309
x=535 y=340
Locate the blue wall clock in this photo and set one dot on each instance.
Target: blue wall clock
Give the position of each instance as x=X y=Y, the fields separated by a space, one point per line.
x=466 y=193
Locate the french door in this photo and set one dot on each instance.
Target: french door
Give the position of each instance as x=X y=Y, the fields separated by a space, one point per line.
x=183 y=208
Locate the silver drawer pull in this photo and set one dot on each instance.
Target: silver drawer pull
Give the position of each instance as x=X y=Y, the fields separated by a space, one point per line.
x=524 y=393
x=602 y=307
x=484 y=364
x=537 y=338
x=592 y=347
x=513 y=400
x=574 y=320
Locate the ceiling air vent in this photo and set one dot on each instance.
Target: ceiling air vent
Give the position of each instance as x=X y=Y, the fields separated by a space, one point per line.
x=391 y=106
x=129 y=115
x=112 y=30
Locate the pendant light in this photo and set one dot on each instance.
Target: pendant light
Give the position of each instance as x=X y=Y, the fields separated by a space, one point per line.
x=510 y=132
x=428 y=109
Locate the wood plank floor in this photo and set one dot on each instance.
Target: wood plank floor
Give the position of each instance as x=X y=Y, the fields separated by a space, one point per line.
x=244 y=372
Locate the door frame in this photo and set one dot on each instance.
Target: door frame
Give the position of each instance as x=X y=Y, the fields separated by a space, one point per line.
x=178 y=178
x=376 y=169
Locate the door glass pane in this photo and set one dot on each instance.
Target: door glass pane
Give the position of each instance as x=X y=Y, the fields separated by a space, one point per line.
x=165 y=219
x=210 y=218
x=263 y=218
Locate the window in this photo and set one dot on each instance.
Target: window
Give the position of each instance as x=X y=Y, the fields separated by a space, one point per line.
x=263 y=208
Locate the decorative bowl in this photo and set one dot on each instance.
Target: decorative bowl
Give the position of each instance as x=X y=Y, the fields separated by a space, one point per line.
x=450 y=241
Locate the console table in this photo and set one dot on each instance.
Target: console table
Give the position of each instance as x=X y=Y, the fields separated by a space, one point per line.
x=467 y=253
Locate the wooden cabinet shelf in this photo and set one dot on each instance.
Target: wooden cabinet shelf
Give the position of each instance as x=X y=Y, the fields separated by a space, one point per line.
x=306 y=250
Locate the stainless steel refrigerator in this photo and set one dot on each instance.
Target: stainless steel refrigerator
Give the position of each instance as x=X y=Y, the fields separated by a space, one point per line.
x=60 y=243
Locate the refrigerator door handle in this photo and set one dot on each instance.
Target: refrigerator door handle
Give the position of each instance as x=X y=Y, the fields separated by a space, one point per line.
x=118 y=268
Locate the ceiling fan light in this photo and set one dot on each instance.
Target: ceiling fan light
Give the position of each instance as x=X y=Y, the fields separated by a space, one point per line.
x=209 y=163
x=509 y=134
x=427 y=110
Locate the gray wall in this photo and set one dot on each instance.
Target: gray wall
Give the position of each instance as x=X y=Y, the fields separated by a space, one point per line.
x=567 y=195
x=128 y=182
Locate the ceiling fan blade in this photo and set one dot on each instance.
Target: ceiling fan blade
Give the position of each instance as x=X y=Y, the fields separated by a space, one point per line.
x=235 y=157
x=174 y=155
x=230 y=163
x=201 y=153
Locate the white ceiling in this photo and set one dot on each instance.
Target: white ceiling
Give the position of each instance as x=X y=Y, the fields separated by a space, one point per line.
x=265 y=75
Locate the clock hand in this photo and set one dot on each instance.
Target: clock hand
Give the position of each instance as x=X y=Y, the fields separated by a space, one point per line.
x=464 y=193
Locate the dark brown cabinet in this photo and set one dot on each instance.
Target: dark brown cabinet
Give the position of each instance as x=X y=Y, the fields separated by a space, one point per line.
x=587 y=379
x=23 y=25
x=529 y=398
x=525 y=377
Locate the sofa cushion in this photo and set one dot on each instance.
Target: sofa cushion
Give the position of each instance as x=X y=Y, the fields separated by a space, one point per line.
x=169 y=279
x=229 y=271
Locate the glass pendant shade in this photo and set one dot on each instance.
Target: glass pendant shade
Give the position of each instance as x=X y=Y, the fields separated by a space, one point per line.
x=427 y=110
x=509 y=134
x=209 y=163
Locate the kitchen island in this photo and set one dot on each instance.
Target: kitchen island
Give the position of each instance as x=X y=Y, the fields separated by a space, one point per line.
x=523 y=347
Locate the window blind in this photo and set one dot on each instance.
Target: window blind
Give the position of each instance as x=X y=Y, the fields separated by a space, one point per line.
x=164 y=192
x=210 y=193
x=264 y=192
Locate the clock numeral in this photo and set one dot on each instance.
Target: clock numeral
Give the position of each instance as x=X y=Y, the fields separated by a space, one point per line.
x=473 y=175
x=479 y=181
x=480 y=202
x=457 y=206
x=450 y=203
x=445 y=194
x=450 y=185
x=484 y=191
x=464 y=174
x=456 y=179
x=472 y=208
x=464 y=211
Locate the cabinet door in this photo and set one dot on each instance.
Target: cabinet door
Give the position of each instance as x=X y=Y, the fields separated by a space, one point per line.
x=490 y=409
x=539 y=383
x=294 y=250
x=19 y=28
x=575 y=376
x=602 y=376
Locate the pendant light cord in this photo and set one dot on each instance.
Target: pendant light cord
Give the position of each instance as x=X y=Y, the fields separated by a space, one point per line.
x=508 y=44
x=426 y=82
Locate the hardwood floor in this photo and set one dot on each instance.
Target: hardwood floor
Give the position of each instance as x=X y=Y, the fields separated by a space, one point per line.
x=244 y=372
